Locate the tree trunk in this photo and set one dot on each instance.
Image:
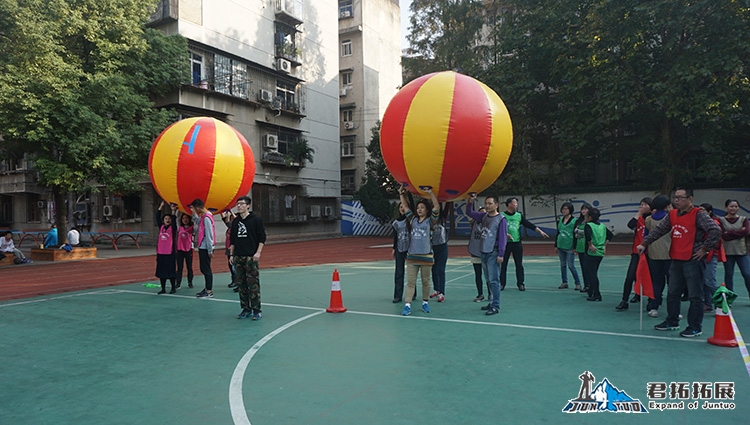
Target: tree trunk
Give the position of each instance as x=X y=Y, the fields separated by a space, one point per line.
x=61 y=216
x=669 y=157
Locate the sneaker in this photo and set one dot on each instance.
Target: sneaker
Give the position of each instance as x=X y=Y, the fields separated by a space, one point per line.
x=491 y=311
x=190 y=285
x=665 y=326
x=406 y=311
x=205 y=294
x=653 y=313
x=622 y=306
x=485 y=307
x=479 y=299
x=173 y=290
x=161 y=292
x=434 y=294
x=426 y=308
x=245 y=313
x=563 y=286
x=257 y=315
x=441 y=298
x=690 y=332
x=26 y=260
x=178 y=286
x=236 y=289
x=635 y=299
x=232 y=285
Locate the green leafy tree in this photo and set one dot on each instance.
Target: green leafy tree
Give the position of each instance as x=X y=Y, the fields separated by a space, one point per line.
x=77 y=79
x=378 y=186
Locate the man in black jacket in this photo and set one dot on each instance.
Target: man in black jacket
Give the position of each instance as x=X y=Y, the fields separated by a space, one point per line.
x=247 y=238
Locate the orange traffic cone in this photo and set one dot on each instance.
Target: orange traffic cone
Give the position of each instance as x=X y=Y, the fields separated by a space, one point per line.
x=337 y=305
x=723 y=332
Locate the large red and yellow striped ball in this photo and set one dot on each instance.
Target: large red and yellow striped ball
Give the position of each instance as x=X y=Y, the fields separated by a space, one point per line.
x=447 y=131
x=201 y=158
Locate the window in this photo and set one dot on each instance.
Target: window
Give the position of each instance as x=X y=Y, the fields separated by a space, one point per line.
x=347 y=146
x=346 y=115
x=345 y=9
x=348 y=186
x=346 y=48
x=285 y=139
x=346 y=78
x=35 y=210
x=285 y=42
x=196 y=68
x=222 y=74
x=285 y=93
x=6 y=210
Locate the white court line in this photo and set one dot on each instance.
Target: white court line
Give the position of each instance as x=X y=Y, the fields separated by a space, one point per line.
x=236 y=403
x=40 y=300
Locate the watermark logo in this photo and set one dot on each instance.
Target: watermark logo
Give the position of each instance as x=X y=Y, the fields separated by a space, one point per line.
x=604 y=397
x=691 y=395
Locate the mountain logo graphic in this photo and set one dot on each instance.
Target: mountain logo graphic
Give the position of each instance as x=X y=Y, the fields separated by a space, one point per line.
x=604 y=397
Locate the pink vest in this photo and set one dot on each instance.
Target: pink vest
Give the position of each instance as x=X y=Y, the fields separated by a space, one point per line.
x=202 y=228
x=164 y=244
x=185 y=238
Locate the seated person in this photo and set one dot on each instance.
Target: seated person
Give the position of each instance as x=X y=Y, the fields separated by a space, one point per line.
x=51 y=240
x=7 y=246
x=74 y=237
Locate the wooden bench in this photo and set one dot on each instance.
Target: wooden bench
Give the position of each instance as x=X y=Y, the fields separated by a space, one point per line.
x=57 y=254
x=8 y=260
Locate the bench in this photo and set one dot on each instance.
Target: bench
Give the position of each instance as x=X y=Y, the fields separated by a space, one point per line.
x=115 y=236
x=60 y=254
x=34 y=234
x=8 y=260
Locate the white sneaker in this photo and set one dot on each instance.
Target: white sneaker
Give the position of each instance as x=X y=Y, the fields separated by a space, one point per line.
x=653 y=313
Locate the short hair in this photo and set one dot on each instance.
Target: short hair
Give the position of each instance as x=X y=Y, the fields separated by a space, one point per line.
x=198 y=203
x=729 y=201
x=493 y=197
x=245 y=199
x=594 y=214
x=660 y=202
x=509 y=200
x=688 y=191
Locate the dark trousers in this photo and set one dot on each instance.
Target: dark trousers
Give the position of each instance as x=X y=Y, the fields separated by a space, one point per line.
x=184 y=258
x=205 y=265
x=440 y=253
x=515 y=249
x=686 y=274
x=627 y=287
x=659 y=270
x=592 y=264
x=584 y=270
x=398 y=277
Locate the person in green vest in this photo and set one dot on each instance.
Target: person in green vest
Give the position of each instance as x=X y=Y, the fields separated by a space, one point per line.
x=580 y=246
x=565 y=244
x=597 y=235
x=515 y=221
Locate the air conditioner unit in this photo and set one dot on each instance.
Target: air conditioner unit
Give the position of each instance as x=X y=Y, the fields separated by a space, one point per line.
x=107 y=210
x=342 y=92
x=265 y=96
x=345 y=14
x=327 y=211
x=41 y=204
x=349 y=125
x=314 y=211
x=271 y=141
x=284 y=65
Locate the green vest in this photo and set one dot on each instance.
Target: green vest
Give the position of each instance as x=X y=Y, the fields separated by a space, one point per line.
x=598 y=238
x=514 y=225
x=565 y=239
x=581 y=242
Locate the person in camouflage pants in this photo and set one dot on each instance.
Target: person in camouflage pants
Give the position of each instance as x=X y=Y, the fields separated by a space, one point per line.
x=247 y=238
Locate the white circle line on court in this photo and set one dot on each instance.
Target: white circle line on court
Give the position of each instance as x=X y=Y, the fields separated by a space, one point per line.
x=236 y=402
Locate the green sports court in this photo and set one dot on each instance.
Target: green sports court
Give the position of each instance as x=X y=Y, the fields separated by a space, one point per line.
x=123 y=355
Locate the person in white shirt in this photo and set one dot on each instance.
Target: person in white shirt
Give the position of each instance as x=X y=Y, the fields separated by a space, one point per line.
x=74 y=237
x=7 y=246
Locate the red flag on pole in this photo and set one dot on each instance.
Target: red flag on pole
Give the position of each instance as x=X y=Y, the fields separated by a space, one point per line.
x=643 y=285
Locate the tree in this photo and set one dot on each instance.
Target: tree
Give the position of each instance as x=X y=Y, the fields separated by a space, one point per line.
x=378 y=186
x=77 y=79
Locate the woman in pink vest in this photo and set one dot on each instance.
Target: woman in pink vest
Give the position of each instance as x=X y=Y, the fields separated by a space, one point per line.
x=185 y=233
x=166 y=244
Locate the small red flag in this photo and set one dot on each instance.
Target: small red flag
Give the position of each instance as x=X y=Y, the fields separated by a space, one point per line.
x=643 y=285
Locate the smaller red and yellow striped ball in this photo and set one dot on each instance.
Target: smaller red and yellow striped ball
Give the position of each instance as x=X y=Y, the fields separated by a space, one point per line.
x=447 y=131
x=201 y=158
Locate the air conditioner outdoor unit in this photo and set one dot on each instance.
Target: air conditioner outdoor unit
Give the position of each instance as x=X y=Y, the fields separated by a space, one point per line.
x=349 y=125
x=41 y=204
x=342 y=92
x=346 y=13
x=327 y=211
x=264 y=96
x=107 y=210
x=271 y=141
x=314 y=211
x=284 y=65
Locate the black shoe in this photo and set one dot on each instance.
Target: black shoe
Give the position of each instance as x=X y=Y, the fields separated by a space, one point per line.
x=486 y=307
x=491 y=311
x=522 y=287
x=177 y=286
x=232 y=285
x=636 y=299
x=173 y=290
x=396 y=300
x=502 y=287
x=236 y=289
x=190 y=285
x=585 y=289
x=597 y=298
x=622 y=306
x=163 y=291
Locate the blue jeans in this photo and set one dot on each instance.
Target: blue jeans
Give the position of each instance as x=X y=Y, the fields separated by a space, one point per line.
x=567 y=261
x=709 y=280
x=492 y=274
x=743 y=262
x=659 y=279
x=438 y=268
x=684 y=274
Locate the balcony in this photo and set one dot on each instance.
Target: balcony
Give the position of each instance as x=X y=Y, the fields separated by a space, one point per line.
x=290 y=11
x=20 y=181
x=166 y=11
